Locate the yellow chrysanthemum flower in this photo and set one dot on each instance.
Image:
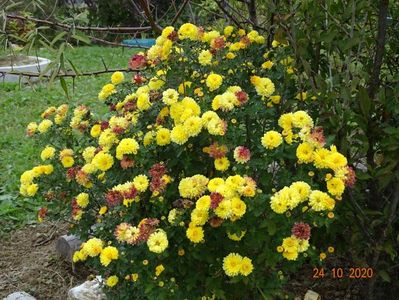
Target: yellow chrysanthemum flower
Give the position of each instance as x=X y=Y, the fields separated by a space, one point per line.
x=167 y=31
x=108 y=254
x=141 y=183
x=170 y=96
x=112 y=281
x=193 y=125
x=336 y=186
x=179 y=135
x=158 y=241
x=188 y=31
x=203 y=203
x=214 y=81
x=192 y=187
x=232 y=264
x=336 y=160
x=93 y=247
x=143 y=101
x=44 y=126
x=82 y=200
x=103 y=161
x=67 y=161
x=199 y=216
x=222 y=164
x=320 y=201
x=304 y=153
x=117 y=78
x=228 y=30
x=205 y=58
x=238 y=207
x=271 y=139
x=159 y=269
x=246 y=267
x=302 y=188
x=47 y=153
x=195 y=234
x=263 y=86
x=224 y=209
x=163 y=137
x=126 y=146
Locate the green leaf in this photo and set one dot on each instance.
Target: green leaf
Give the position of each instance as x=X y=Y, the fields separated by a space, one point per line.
x=64 y=86
x=364 y=102
x=81 y=38
x=58 y=37
x=384 y=275
x=271 y=228
x=75 y=69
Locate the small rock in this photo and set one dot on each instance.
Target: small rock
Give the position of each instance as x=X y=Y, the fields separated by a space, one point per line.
x=89 y=290
x=310 y=295
x=67 y=245
x=19 y=296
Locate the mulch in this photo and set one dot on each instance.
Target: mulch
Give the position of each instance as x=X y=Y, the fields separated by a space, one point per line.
x=328 y=287
x=29 y=262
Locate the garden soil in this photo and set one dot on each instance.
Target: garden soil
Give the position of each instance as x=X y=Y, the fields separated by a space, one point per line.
x=29 y=262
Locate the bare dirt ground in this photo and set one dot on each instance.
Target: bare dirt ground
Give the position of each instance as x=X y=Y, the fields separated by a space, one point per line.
x=29 y=262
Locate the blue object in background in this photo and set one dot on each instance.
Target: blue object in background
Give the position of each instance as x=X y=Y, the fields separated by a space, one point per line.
x=139 y=42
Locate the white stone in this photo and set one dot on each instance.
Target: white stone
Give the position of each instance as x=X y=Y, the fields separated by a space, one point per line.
x=89 y=290
x=311 y=295
x=19 y=296
x=40 y=65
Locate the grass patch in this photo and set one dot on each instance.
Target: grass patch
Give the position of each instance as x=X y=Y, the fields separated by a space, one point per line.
x=20 y=105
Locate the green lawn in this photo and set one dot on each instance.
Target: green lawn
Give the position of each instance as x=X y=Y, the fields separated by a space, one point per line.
x=21 y=105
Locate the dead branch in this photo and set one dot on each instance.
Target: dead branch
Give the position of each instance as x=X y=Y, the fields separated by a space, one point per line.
x=73 y=75
x=251 y=5
x=176 y=17
x=231 y=17
x=82 y=28
x=144 y=6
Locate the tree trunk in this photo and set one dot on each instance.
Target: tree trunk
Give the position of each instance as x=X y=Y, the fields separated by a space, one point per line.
x=251 y=5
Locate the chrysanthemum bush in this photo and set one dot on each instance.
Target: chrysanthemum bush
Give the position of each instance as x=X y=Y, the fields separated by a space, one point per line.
x=208 y=178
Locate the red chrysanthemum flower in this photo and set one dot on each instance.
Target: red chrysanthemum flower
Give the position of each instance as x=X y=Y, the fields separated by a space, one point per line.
x=104 y=125
x=215 y=151
x=71 y=173
x=242 y=154
x=215 y=222
x=245 y=40
x=218 y=43
x=138 y=79
x=113 y=198
x=147 y=227
x=42 y=212
x=126 y=162
x=317 y=135
x=242 y=97
x=350 y=177
x=130 y=194
x=130 y=106
x=157 y=170
x=82 y=178
x=216 y=198
x=137 y=61
x=173 y=36
x=118 y=130
x=301 y=231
